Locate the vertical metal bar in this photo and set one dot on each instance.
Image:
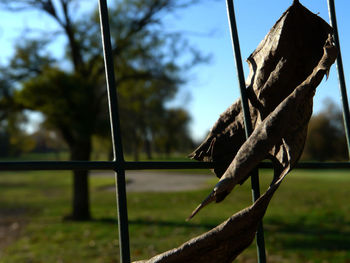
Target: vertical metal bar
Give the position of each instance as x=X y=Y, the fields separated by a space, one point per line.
x=239 y=66
x=247 y=122
x=342 y=86
x=116 y=138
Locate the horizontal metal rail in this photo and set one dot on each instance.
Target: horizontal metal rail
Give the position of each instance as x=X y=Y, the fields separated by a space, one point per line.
x=111 y=165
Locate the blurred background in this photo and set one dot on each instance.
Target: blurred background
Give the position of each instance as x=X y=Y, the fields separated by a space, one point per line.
x=175 y=75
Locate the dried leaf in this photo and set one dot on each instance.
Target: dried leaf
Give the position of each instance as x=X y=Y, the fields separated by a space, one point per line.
x=286 y=71
x=283 y=60
x=226 y=241
x=280 y=134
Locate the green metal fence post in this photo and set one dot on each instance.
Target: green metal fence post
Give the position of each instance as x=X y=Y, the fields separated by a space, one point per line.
x=247 y=122
x=342 y=86
x=116 y=138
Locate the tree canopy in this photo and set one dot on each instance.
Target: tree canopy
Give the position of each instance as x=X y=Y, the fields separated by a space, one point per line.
x=326 y=135
x=151 y=63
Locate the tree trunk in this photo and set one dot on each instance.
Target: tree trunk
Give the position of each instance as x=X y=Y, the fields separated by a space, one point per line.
x=148 y=149
x=81 y=203
x=136 y=149
x=167 y=149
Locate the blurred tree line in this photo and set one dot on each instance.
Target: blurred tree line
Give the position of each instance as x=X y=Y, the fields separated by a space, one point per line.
x=151 y=64
x=73 y=98
x=326 y=140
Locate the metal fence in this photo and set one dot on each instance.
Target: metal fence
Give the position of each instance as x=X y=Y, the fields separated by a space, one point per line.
x=119 y=165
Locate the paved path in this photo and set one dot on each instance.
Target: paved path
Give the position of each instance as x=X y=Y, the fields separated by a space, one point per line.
x=161 y=181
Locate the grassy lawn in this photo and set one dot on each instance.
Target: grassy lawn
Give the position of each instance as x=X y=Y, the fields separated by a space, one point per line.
x=308 y=219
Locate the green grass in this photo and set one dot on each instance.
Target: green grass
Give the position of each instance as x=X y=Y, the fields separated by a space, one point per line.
x=308 y=219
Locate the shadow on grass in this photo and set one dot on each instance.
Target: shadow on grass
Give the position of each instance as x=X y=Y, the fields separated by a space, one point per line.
x=316 y=236
x=291 y=236
x=146 y=222
x=12 y=221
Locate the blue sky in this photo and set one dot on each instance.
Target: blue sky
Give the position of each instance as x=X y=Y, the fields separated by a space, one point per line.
x=214 y=86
